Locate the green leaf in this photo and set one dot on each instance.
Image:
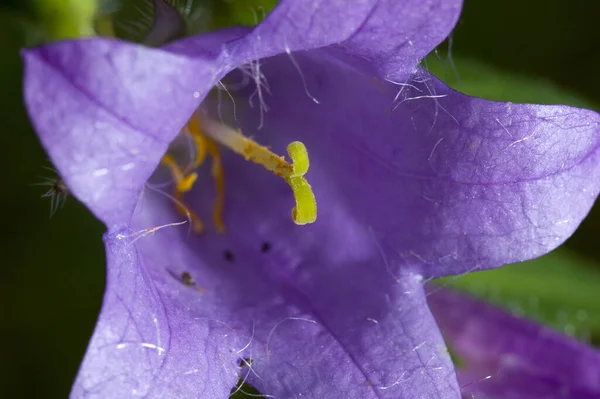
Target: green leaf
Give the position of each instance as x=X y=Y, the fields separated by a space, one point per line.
x=560 y=289
x=480 y=80
x=63 y=19
x=241 y=12
x=133 y=19
x=244 y=390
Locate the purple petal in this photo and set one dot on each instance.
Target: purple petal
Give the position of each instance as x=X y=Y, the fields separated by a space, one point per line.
x=386 y=37
x=146 y=344
x=104 y=112
x=116 y=106
x=314 y=323
x=398 y=34
x=410 y=177
x=524 y=359
x=448 y=183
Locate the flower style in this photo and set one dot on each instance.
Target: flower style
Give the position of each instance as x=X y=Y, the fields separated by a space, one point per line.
x=412 y=180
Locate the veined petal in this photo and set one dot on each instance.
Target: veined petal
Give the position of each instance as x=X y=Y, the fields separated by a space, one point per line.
x=412 y=179
x=289 y=321
x=147 y=345
x=124 y=103
x=523 y=360
x=447 y=182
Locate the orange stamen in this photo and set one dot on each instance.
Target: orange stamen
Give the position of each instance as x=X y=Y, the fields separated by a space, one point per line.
x=184 y=182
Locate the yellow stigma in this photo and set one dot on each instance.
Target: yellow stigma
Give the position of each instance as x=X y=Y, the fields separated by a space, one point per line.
x=305 y=210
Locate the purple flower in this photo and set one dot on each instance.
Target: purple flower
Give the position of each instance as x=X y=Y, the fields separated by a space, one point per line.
x=413 y=180
x=511 y=358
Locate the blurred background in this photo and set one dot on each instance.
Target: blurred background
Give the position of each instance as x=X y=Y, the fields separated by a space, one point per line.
x=52 y=276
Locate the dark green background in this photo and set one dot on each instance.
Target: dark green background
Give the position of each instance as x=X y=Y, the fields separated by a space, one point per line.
x=52 y=276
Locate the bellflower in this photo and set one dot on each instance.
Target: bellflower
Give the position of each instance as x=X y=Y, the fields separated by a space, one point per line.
x=412 y=180
x=507 y=357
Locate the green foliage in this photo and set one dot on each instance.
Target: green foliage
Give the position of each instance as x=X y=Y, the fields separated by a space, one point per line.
x=62 y=19
x=478 y=79
x=241 y=12
x=131 y=20
x=561 y=290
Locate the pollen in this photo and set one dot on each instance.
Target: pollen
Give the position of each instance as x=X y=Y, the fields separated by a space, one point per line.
x=207 y=135
x=305 y=211
x=183 y=184
x=185 y=181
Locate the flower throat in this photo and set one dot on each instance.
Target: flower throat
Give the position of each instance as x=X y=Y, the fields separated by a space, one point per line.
x=207 y=135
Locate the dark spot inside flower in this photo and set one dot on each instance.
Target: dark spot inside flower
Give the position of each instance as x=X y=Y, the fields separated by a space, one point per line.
x=265 y=247
x=245 y=362
x=229 y=256
x=187 y=279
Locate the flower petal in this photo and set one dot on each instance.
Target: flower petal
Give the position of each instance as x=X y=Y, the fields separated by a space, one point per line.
x=387 y=36
x=106 y=111
x=299 y=316
x=147 y=345
x=116 y=106
x=398 y=34
x=448 y=183
x=525 y=360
